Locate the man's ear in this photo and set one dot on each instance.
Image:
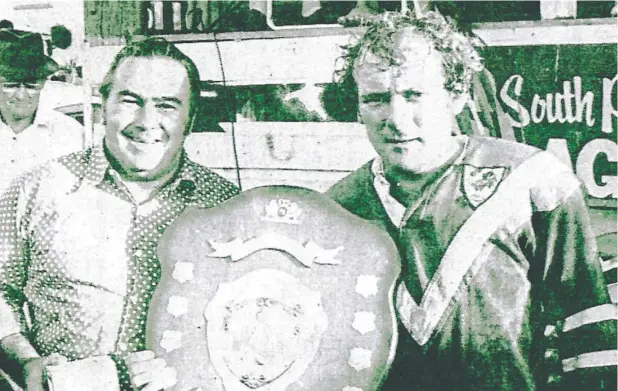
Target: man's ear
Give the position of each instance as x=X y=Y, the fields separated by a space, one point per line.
x=458 y=102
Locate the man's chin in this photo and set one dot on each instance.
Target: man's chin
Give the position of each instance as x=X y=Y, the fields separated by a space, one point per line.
x=141 y=170
x=402 y=162
x=144 y=161
x=19 y=113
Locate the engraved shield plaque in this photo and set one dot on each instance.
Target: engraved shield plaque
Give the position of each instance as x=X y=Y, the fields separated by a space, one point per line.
x=278 y=289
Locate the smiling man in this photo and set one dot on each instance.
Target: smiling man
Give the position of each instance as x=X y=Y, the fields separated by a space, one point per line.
x=498 y=257
x=78 y=236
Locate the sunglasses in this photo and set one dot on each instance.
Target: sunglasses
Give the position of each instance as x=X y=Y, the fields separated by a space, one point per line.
x=12 y=87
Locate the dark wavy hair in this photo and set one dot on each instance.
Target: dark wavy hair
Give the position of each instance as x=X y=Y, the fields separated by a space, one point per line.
x=460 y=59
x=157 y=47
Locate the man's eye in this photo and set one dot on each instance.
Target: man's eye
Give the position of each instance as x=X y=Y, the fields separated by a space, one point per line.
x=375 y=100
x=167 y=107
x=129 y=100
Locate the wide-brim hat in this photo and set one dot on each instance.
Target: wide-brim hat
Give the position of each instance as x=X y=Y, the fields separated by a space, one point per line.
x=22 y=56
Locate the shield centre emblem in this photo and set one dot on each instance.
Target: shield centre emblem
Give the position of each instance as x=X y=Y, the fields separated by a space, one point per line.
x=263 y=330
x=480 y=183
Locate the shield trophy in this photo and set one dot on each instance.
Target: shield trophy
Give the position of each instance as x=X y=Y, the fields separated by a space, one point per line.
x=277 y=289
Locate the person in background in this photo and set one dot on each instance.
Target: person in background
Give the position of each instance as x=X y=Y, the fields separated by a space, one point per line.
x=60 y=40
x=29 y=134
x=499 y=262
x=78 y=236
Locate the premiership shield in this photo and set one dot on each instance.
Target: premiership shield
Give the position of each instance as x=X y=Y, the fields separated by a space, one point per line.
x=277 y=289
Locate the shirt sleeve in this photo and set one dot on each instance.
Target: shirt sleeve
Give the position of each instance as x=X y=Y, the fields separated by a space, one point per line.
x=13 y=261
x=576 y=297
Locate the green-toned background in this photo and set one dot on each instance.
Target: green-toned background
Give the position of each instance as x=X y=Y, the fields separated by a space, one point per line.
x=544 y=69
x=106 y=18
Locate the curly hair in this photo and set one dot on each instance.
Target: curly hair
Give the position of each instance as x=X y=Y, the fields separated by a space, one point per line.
x=460 y=59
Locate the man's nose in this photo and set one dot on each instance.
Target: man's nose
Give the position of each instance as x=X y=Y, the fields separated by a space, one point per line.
x=148 y=117
x=22 y=92
x=402 y=112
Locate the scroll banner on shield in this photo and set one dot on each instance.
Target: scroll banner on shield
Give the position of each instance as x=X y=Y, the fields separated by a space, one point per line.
x=278 y=289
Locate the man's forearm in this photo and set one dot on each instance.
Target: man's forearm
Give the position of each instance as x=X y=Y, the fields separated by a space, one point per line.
x=28 y=367
x=18 y=351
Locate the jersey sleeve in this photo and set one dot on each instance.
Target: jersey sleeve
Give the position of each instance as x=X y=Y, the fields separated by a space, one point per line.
x=576 y=297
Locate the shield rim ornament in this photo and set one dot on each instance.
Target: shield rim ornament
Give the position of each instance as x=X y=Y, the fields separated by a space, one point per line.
x=252 y=286
x=281 y=210
x=477 y=197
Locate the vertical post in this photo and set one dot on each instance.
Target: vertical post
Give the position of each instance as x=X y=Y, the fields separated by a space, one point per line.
x=177 y=16
x=158 y=15
x=420 y=6
x=554 y=9
x=87 y=88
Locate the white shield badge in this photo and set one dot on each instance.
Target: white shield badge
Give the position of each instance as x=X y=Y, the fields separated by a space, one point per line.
x=263 y=330
x=480 y=183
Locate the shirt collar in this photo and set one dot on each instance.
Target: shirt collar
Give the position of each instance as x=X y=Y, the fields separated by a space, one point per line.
x=395 y=210
x=42 y=118
x=98 y=165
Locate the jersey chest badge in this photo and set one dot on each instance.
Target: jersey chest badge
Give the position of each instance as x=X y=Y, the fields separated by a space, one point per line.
x=480 y=183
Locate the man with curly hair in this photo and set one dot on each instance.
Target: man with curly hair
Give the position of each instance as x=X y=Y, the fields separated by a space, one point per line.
x=500 y=274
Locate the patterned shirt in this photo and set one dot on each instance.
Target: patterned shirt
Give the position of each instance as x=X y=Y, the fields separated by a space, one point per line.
x=78 y=262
